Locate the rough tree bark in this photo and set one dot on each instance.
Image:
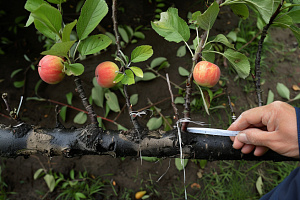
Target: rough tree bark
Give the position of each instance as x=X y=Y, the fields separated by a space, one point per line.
x=25 y=140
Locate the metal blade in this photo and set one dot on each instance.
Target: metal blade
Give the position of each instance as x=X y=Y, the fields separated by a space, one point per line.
x=212 y=131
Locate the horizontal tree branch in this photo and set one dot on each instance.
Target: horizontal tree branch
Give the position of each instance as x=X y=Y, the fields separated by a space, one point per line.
x=25 y=140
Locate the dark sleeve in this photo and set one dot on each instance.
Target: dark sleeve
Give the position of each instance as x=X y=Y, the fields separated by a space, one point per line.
x=289 y=187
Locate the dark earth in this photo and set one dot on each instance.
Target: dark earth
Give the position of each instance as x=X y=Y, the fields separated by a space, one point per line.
x=280 y=65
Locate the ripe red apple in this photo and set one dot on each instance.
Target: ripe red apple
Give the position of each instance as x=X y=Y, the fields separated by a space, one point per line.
x=105 y=74
x=51 y=69
x=206 y=74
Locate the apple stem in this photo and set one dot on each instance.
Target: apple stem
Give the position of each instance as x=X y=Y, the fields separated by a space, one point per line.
x=258 y=55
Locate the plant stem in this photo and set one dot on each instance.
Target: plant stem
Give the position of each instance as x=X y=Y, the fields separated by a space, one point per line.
x=158 y=74
x=189 y=81
x=85 y=102
x=119 y=54
x=176 y=116
x=258 y=55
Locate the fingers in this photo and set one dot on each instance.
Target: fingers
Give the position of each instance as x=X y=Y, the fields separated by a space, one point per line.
x=252 y=117
x=255 y=136
x=251 y=139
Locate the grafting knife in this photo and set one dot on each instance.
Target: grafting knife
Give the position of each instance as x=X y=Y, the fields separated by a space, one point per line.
x=212 y=131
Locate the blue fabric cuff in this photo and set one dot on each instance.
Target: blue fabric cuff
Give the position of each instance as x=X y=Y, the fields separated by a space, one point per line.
x=298 y=125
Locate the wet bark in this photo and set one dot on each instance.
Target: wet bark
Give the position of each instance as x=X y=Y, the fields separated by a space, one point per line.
x=26 y=140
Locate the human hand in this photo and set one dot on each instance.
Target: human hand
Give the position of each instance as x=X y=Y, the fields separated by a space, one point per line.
x=272 y=126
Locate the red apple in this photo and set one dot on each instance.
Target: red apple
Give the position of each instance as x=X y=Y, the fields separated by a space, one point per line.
x=206 y=74
x=51 y=69
x=105 y=74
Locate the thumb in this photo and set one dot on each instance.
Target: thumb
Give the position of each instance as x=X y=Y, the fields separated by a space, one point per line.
x=254 y=136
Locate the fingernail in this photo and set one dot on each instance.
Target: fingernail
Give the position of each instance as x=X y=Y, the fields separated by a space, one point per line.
x=242 y=137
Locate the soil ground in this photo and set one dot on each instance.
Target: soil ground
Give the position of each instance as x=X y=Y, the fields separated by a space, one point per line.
x=281 y=65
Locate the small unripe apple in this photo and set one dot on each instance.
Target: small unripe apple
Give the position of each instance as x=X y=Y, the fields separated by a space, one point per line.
x=206 y=74
x=51 y=69
x=105 y=74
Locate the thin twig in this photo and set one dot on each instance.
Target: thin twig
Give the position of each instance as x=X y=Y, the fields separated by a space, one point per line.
x=250 y=41
x=128 y=104
x=258 y=55
x=78 y=109
x=158 y=74
x=85 y=101
x=176 y=116
x=189 y=81
x=154 y=104
x=157 y=110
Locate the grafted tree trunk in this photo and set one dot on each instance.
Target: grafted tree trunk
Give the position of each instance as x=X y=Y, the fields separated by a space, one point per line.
x=26 y=140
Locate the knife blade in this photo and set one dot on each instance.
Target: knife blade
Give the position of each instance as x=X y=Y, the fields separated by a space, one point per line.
x=212 y=131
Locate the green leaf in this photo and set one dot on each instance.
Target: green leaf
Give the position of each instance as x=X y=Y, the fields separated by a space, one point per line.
x=80 y=118
x=38 y=173
x=297 y=97
x=141 y=53
x=259 y=185
x=283 y=20
x=80 y=195
x=94 y=44
x=111 y=36
x=207 y=54
x=44 y=30
x=270 y=97
x=179 y=100
x=19 y=84
x=63 y=113
x=72 y=174
x=265 y=8
x=67 y=31
x=222 y=39
x=139 y=35
x=157 y=61
x=202 y=163
x=75 y=69
x=171 y=26
x=208 y=18
x=147 y=77
x=119 y=78
x=239 y=61
x=120 y=127
x=69 y=97
x=92 y=13
x=295 y=15
x=180 y=166
x=181 y=51
x=183 y=72
x=137 y=71
x=134 y=99
x=59 y=49
x=49 y=16
x=98 y=96
x=123 y=34
x=32 y=5
x=97 y=93
x=15 y=72
x=241 y=10
x=232 y=35
x=283 y=91
x=154 y=123
x=296 y=32
x=112 y=101
x=128 y=78
x=50 y=181
x=203 y=98
x=150 y=159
